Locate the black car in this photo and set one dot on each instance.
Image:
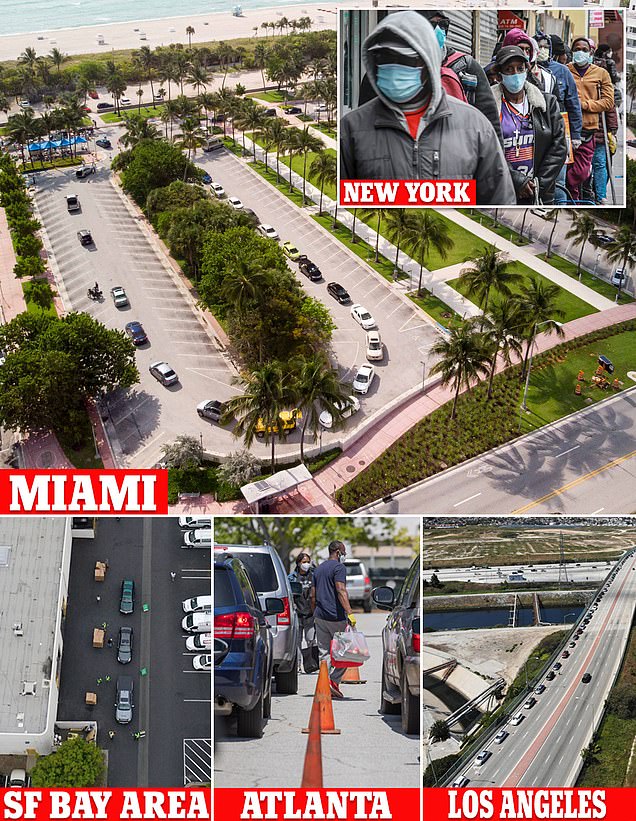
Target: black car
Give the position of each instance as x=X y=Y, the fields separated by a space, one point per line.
x=104 y=142
x=270 y=112
x=339 y=293
x=401 y=676
x=243 y=673
x=125 y=645
x=135 y=331
x=550 y=675
x=293 y=109
x=213 y=410
x=631 y=143
x=102 y=106
x=602 y=239
x=557 y=666
x=587 y=677
x=85 y=237
x=309 y=269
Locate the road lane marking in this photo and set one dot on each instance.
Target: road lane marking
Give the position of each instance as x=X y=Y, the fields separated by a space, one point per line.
x=457 y=504
x=597 y=511
x=564 y=452
x=574 y=483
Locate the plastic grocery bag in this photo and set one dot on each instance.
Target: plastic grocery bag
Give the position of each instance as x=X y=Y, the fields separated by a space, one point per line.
x=349 y=648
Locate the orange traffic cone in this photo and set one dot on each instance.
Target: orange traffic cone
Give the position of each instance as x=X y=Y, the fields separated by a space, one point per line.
x=577 y=389
x=312 y=769
x=352 y=676
x=322 y=697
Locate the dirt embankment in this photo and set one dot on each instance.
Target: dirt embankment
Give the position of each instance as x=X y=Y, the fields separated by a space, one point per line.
x=438 y=604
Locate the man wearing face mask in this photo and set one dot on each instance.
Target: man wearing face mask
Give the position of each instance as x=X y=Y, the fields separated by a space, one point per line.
x=532 y=128
x=413 y=129
x=303 y=574
x=596 y=94
x=331 y=608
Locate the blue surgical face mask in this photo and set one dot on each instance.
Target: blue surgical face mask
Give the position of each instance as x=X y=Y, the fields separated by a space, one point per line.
x=398 y=82
x=581 y=58
x=514 y=82
x=441 y=36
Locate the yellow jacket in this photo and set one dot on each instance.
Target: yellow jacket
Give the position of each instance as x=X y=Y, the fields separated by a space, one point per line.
x=596 y=94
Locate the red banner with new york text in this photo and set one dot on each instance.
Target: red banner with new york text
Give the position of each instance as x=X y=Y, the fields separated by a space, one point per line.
x=406 y=193
x=83 y=492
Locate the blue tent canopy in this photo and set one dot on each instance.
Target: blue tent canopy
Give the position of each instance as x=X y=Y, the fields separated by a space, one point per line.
x=47 y=144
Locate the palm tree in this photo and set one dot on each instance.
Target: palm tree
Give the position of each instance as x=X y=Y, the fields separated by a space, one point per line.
x=138 y=128
x=266 y=392
x=251 y=119
x=58 y=58
x=28 y=57
x=191 y=137
x=429 y=232
x=317 y=389
x=244 y=285
x=276 y=130
x=489 y=271
x=324 y=169
x=305 y=143
x=260 y=60
x=198 y=77
x=537 y=302
x=369 y=214
x=630 y=84
x=548 y=250
x=502 y=328
x=189 y=32
x=21 y=129
x=582 y=229
x=146 y=61
x=464 y=358
x=623 y=251
x=116 y=85
x=396 y=222
x=291 y=146
x=170 y=114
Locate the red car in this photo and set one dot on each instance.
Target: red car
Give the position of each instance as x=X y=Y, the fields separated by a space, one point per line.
x=93 y=95
x=86 y=108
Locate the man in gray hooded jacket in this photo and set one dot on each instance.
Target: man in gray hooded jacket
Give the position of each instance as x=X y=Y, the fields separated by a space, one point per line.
x=413 y=129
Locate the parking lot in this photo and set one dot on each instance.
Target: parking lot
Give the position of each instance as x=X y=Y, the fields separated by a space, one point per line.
x=371 y=750
x=171 y=699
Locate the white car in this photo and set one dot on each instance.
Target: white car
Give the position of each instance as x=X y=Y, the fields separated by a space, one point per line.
x=195 y=522
x=163 y=373
x=24 y=104
x=461 y=781
x=375 y=348
x=124 y=100
x=362 y=317
x=363 y=378
x=619 y=277
x=501 y=736
x=481 y=757
x=202 y=662
x=516 y=721
x=268 y=231
x=235 y=203
x=348 y=408
x=217 y=189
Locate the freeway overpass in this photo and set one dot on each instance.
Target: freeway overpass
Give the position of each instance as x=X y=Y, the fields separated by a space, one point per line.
x=543 y=749
x=577 y=572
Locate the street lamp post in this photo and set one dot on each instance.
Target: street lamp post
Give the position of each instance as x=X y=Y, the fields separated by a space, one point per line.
x=567 y=615
x=556 y=324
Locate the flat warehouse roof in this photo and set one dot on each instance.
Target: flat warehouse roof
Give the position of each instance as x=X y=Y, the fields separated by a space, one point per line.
x=31 y=551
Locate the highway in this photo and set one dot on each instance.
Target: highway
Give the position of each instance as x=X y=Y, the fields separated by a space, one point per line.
x=577 y=572
x=544 y=749
x=583 y=464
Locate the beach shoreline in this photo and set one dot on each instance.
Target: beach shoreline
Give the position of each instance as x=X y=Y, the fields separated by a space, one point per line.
x=214 y=26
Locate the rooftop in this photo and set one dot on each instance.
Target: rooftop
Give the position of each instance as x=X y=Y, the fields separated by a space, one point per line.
x=31 y=551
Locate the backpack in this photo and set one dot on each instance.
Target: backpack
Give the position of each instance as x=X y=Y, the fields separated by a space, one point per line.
x=452 y=85
x=457 y=63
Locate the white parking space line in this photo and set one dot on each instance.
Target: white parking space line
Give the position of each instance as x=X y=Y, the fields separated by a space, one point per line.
x=565 y=452
x=457 y=504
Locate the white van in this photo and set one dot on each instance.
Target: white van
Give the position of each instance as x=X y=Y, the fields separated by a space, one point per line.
x=198 y=538
x=195 y=522
x=197 y=603
x=198 y=622
x=202 y=641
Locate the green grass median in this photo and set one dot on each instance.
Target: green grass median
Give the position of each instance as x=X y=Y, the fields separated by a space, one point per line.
x=601 y=287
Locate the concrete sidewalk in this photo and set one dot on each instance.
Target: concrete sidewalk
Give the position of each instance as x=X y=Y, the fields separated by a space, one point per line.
x=12 y=300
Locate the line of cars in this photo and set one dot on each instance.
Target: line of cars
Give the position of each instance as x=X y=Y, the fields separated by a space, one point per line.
x=197 y=621
x=125 y=685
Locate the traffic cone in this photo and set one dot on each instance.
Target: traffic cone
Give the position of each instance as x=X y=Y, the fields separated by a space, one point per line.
x=312 y=769
x=322 y=697
x=352 y=676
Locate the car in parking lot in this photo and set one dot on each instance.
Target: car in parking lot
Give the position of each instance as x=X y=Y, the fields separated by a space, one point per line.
x=217 y=189
x=85 y=237
x=196 y=603
x=401 y=677
x=602 y=239
x=482 y=757
x=201 y=641
x=358 y=584
x=157 y=97
x=347 y=408
x=619 y=277
x=125 y=645
x=253 y=216
x=269 y=577
x=529 y=703
x=103 y=106
x=587 y=677
x=287 y=421
x=501 y=736
x=135 y=331
x=539 y=689
x=104 y=142
x=206 y=179
x=163 y=373
x=72 y=203
x=516 y=721
x=557 y=666
x=309 y=269
x=270 y=112
x=211 y=409
x=268 y=231
x=243 y=672
x=17 y=779
x=235 y=202
x=127 y=598
x=202 y=662
x=24 y=103
x=120 y=298
x=292 y=109
x=375 y=347
x=124 y=100
x=85 y=171
x=339 y=293
x=124 y=701
x=362 y=317
x=363 y=378
x=290 y=250
x=195 y=522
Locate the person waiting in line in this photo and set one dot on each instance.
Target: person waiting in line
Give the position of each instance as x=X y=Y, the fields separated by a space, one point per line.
x=540 y=75
x=303 y=574
x=412 y=129
x=532 y=128
x=596 y=94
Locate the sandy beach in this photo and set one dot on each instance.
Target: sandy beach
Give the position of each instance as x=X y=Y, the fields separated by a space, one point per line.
x=207 y=27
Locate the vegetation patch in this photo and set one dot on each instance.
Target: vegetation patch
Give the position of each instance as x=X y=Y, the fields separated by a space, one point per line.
x=601 y=286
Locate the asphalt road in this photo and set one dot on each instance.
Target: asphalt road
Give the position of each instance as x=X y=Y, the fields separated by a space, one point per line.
x=583 y=464
x=544 y=749
x=371 y=750
x=532 y=573
x=172 y=701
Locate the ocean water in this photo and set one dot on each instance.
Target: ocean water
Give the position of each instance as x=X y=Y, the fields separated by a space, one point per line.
x=21 y=16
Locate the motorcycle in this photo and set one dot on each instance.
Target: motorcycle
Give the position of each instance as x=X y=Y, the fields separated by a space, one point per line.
x=95 y=294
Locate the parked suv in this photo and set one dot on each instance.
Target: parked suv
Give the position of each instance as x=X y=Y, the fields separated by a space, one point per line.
x=401 y=674
x=243 y=671
x=358 y=584
x=268 y=574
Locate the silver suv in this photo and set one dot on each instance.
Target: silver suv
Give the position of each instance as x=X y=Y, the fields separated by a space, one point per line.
x=358 y=584
x=268 y=575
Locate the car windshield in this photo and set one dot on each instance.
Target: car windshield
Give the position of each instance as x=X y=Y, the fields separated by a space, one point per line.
x=353 y=569
x=363 y=376
x=262 y=571
x=365 y=315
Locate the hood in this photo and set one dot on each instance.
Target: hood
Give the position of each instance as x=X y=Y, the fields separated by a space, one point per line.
x=541 y=36
x=417 y=32
x=516 y=36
